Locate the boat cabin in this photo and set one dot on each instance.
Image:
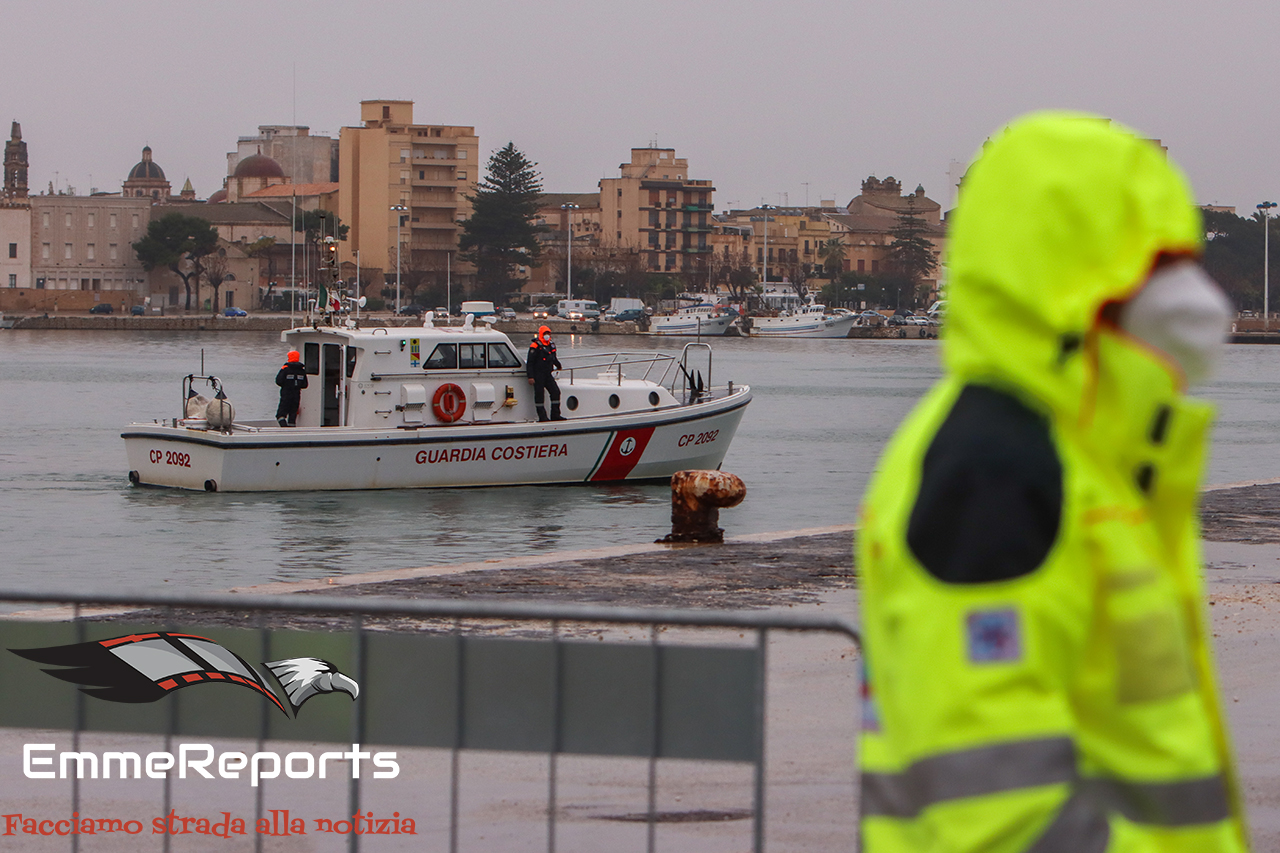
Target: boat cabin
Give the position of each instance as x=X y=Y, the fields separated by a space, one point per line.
x=412 y=377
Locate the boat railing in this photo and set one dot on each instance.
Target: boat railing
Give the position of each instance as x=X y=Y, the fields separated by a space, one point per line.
x=693 y=386
x=653 y=367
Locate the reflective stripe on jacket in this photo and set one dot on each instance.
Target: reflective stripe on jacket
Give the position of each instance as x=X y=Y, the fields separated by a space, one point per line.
x=1038 y=670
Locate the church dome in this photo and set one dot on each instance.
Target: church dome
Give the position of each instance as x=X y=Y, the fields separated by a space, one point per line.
x=146 y=169
x=218 y=196
x=258 y=166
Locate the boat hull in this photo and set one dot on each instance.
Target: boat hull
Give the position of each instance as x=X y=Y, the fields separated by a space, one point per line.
x=691 y=326
x=640 y=446
x=802 y=327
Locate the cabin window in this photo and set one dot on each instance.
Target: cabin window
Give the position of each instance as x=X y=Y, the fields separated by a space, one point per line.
x=443 y=357
x=311 y=358
x=500 y=355
x=471 y=356
x=352 y=353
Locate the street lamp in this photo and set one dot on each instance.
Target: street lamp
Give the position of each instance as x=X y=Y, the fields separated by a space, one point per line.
x=400 y=210
x=568 y=268
x=1264 y=209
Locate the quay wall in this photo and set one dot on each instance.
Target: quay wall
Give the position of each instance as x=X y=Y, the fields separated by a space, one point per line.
x=515 y=328
x=276 y=323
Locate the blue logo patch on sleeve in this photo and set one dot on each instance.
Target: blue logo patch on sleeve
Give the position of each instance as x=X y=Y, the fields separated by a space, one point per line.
x=993 y=635
x=870 y=712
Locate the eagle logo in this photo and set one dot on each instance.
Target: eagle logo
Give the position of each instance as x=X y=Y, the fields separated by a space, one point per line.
x=147 y=667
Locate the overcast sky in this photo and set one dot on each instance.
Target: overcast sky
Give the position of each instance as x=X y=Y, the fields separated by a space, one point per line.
x=775 y=102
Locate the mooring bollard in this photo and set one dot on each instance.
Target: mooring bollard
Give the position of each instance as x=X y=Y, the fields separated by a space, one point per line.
x=696 y=499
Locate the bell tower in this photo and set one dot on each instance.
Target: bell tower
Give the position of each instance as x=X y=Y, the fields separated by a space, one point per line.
x=15 y=165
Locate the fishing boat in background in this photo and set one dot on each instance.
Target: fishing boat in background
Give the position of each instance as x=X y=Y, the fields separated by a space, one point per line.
x=699 y=318
x=442 y=406
x=809 y=321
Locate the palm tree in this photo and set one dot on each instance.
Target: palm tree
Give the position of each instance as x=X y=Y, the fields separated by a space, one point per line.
x=831 y=252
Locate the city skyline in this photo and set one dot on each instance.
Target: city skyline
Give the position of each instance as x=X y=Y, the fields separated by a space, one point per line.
x=776 y=106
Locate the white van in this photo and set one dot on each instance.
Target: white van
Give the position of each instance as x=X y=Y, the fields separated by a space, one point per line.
x=480 y=309
x=578 y=309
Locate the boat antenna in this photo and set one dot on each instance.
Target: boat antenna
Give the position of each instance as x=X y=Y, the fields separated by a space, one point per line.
x=202 y=361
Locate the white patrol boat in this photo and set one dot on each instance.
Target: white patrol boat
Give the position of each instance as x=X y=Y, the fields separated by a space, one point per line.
x=439 y=406
x=810 y=321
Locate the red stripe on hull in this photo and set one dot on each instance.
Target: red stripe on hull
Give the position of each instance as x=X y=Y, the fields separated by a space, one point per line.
x=623 y=454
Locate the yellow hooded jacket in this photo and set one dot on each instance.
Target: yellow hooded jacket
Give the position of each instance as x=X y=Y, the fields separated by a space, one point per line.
x=1038 y=671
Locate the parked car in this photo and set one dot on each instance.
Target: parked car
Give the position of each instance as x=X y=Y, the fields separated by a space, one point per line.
x=871 y=318
x=101 y=308
x=232 y=311
x=506 y=314
x=411 y=311
x=138 y=311
x=628 y=315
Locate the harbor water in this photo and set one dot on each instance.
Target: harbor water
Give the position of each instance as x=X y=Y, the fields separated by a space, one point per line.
x=821 y=413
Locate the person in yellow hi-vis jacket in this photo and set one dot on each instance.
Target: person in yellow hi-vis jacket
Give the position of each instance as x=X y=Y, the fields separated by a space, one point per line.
x=1038 y=673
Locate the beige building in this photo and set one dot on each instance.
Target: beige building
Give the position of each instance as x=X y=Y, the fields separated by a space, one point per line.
x=872 y=215
x=253 y=173
x=654 y=207
x=15 y=245
x=254 y=249
x=322 y=196
x=559 y=215
x=795 y=238
x=85 y=243
x=429 y=169
x=305 y=159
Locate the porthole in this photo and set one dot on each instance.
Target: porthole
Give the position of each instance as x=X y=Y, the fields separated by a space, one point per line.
x=614 y=402
x=653 y=398
x=571 y=403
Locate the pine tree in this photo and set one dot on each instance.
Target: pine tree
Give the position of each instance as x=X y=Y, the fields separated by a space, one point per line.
x=500 y=234
x=910 y=254
x=175 y=240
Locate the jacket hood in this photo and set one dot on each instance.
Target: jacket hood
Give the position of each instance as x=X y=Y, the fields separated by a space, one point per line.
x=1061 y=214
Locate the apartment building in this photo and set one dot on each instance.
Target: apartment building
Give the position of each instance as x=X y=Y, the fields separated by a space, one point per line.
x=654 y=207
x=559 y=216
x=428 y=169
x=793 y=245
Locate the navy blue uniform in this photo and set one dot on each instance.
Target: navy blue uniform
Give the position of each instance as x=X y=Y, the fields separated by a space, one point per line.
x=538 y=366
x=292 y=378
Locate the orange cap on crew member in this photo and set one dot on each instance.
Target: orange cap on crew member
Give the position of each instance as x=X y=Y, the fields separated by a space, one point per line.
x=544 y=335
x=294 y=356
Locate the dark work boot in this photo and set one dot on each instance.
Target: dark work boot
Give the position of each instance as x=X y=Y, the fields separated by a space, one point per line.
x=542 y=413
x=555 y=412
x=282 y=422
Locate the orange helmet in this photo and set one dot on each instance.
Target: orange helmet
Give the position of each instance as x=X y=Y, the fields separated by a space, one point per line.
x=294 y=356
x=544 y=335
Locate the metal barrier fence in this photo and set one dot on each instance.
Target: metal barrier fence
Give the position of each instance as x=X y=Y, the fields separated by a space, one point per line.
x=422 y=682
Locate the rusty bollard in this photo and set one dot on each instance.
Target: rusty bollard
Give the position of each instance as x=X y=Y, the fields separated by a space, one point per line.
x=696 y=499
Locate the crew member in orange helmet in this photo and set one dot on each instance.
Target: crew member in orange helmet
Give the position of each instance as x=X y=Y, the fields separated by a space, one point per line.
x=292 y=378
x=539 y=365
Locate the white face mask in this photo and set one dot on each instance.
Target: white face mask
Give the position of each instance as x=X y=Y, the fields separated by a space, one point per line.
x=1184 y=314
